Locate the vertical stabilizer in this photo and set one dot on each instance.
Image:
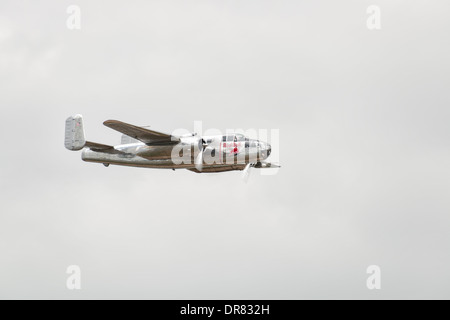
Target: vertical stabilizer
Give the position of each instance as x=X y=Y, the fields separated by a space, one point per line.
x=74 y=139
x=127 y=139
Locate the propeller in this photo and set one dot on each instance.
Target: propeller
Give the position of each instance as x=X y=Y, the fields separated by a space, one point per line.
x=246 y=172
x=199 y=159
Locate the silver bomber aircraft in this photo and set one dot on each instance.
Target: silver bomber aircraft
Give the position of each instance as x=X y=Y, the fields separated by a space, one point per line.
x=141 y=147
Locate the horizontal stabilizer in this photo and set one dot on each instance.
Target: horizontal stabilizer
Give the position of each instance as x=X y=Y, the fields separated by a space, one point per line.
x=97 y=146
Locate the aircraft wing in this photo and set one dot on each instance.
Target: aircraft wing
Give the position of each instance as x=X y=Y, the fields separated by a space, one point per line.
x=141 y=134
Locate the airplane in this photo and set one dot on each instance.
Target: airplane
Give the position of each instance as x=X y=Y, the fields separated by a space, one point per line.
x=142 y=147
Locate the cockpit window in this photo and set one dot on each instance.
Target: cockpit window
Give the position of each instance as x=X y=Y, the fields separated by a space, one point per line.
x=234 y=137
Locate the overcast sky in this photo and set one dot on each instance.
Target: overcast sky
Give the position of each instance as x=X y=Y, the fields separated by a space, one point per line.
x=363 y=117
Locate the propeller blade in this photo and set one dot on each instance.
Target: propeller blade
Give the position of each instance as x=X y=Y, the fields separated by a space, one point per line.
x=199 y=161
x=246 y=172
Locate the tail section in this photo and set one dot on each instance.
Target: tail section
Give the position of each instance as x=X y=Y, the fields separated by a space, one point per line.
x=127 y=139
x=74 y=139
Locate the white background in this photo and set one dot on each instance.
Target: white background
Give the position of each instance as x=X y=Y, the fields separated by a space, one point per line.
x=363 y=118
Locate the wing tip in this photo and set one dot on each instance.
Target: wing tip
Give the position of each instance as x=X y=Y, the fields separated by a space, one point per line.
x=109 y=122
